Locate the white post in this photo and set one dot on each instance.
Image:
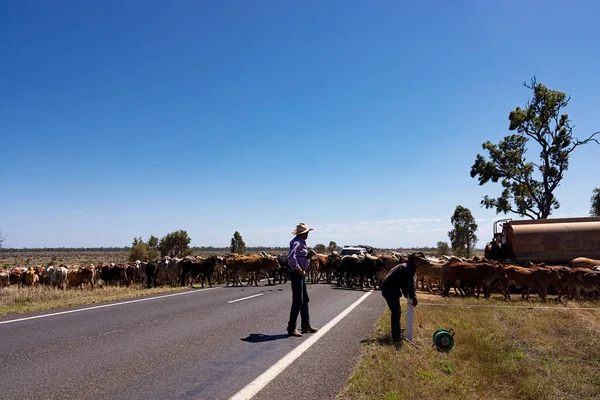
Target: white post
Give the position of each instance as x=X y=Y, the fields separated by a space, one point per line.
x=409 y=320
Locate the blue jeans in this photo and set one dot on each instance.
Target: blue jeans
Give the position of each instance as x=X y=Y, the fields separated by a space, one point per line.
x=299 y=301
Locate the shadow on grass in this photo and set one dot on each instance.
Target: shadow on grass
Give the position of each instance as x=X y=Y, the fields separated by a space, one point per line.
x=259 y=337
x=383 y=341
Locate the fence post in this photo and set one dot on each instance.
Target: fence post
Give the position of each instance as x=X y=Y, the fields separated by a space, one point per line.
x=409 y=320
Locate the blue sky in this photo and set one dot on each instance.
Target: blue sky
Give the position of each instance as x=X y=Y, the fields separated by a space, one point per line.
x=362 y=119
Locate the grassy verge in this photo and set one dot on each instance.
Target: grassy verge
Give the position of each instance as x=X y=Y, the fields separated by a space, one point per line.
x=15 y=300
x=499 y=353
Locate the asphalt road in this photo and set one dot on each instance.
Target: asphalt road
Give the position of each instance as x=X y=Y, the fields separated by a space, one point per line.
x=195 y=345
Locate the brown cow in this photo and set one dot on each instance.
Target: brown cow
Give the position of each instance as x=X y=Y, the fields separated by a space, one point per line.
x=538 y=278
x=316 y=267
x=254 y=265
x=582 y=279
x=474 y=274
x=31 y=277
x=429 y=270
x=584 y=262
x=4 y=279
x=81 y=276
x=16 y=275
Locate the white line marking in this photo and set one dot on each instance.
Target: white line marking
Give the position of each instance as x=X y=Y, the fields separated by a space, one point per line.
x=518 y=307
x=245 y=298
x=263 y=380
x=104 y=306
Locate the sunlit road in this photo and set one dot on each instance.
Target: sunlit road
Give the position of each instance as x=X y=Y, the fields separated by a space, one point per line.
x=201 y=344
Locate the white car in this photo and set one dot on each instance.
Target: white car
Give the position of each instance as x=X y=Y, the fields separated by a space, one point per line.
x=350 y=251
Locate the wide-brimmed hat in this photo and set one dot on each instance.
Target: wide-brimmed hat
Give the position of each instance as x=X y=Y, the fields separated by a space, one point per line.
x=301 y=228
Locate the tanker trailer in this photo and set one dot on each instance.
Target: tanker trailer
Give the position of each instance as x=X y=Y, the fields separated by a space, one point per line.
x=551 y=241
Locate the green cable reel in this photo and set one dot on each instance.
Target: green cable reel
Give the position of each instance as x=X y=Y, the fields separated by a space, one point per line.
x=443 y=339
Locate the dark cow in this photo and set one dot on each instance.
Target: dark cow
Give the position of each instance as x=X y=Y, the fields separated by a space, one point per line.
x=364 y=268
x=281 y=274
x=114 y=274
x=151 y=271
x=203 y=269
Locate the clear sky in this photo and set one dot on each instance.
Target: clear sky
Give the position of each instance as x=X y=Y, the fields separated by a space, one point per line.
x=130 y=118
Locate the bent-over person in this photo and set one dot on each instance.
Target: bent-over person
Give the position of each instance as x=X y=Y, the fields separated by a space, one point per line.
x=400 y=280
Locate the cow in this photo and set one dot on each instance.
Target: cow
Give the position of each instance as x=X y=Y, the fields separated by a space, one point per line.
x=317 y=264
x=582 y=279
x=254 y=265
x=538 y=278
x=282 y=272
x=389 y=262
x=114 y=273
x=31 y=277
x=473 y=274
x=331 y=267
x=16 y=276
x=364 y=268
x=59 y=278
x=46 y=276
x=151 y=272
x=4 y=279
x=139 y=274
x=199 y=268
x=81 y=277
x=429 y=271
x=169 y=271
x=584 y=262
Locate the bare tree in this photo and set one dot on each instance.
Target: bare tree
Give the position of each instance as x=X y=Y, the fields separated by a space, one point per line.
x=2 y=238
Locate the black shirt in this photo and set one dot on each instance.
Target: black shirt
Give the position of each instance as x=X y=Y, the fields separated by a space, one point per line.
x=400 y=280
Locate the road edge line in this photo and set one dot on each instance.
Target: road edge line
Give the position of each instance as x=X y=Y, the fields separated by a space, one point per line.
x=266 y=377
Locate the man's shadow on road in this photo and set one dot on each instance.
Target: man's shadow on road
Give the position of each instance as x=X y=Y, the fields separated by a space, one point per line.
x=259 y=337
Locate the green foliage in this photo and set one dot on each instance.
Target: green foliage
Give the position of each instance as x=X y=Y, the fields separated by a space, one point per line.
x=139 y=250
x=443 y=248
x=237 y=244
x=542 y=122
x=333 y=247
x=142 y=251
x=175 y=244
x=595 y=209
x=463 y=236
x=153 y=242
x=320 y=248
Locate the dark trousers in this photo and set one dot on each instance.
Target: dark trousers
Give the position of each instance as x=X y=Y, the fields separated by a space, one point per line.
x=393 y=301
x=299 y=301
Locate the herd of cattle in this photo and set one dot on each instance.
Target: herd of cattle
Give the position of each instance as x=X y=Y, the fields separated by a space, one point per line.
x=581 y=279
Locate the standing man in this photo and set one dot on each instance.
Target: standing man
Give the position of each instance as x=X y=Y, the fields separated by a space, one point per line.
x=298 y=260
x=400 y=280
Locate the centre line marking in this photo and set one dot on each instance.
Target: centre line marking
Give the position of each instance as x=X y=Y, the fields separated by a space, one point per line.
x=263 y=380
x=105 y=306
x=245 y=298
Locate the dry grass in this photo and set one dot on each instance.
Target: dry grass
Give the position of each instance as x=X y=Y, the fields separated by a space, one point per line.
x=26 y=299
x=499 y=353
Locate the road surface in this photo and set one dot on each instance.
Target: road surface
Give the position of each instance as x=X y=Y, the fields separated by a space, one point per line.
x=198 y=344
